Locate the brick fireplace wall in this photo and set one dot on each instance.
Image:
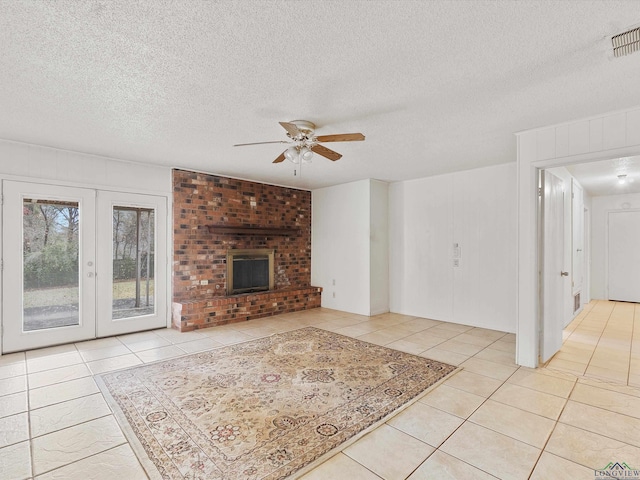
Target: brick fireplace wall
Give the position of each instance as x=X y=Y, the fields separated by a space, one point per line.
x=199 y=259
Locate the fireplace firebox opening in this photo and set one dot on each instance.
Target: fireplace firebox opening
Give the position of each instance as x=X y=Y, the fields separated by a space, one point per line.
x=249 y=270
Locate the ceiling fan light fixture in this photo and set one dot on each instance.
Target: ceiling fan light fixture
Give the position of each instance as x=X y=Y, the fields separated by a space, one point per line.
x=306 y=154
x=298 y=154
x=292 y=155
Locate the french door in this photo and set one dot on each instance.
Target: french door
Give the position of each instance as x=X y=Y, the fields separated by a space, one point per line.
x=79 y=264
x=132 y=255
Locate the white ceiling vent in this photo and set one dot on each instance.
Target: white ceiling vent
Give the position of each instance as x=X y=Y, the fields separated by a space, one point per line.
x=626 y=43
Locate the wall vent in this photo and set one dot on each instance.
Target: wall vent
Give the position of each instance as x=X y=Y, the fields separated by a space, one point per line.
x=576 y=302
x=626 y=43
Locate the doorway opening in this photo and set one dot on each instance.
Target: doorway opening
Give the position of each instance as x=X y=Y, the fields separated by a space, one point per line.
x=601 y=234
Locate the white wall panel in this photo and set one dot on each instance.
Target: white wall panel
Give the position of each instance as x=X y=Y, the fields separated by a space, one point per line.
x=527 y=145
x=66 y=167
x=77 y=169
x=595 y=135
x=578 y=138
x=476 y=209
x=633 y=128
x=340 y=248
x=546 y=144
x=484 y=284
x=562 y=141
x=424 y=267
x=397 y=221
x=46 y=163
x=14 y=158
x=379 y=244
x=614 y=131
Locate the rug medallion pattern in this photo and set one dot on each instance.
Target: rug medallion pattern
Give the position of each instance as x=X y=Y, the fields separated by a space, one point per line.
x=263 y=409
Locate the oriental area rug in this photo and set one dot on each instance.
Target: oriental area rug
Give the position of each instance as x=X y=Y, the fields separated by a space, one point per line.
x=263 y=409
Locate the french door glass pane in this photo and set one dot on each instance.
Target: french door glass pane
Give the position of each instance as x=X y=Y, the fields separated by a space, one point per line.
x=133 y=262
x=50 y=264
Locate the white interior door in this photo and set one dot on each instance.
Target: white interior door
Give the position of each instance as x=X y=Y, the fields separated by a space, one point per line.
x=624 y=256
x=553 y=277
x=586 y=292
x=48 y=272
x=132 y=261
x=577 y=243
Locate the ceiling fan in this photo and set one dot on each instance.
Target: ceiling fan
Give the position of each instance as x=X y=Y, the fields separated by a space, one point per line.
x=304 y=142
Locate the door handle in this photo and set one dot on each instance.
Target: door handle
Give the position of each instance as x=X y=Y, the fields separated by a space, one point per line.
x=90 y=274
x=564 y=274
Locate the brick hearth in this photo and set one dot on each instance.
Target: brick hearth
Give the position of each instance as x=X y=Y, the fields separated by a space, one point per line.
x=199 y=267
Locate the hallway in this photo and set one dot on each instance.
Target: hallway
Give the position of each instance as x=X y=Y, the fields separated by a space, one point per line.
x=603 y=343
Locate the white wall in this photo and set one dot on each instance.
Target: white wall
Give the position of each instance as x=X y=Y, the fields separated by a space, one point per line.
x=340 y=250
x=379 y=244
x=420 y=246
x=600 y=208
x=63 y=167
x=475 y=209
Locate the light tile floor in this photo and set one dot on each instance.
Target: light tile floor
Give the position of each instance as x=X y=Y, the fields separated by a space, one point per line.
x=603 y=342
x=491 y=420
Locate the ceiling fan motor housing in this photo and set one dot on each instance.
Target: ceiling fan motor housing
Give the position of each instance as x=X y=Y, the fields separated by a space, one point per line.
x=306 y=128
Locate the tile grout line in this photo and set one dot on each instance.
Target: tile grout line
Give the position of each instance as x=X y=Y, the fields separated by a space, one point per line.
x=615 y=304
x=29 y=409
x=31 y=457
x=464 y=421
x=599 y=337
x=633 y=326
x=99 y=453
x=126 y=442
x=555 y=424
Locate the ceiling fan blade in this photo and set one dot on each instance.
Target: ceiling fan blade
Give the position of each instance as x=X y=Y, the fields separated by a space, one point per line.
x=291 y=128
x=280 y=158
x=341 y=137
x=258 y=143
x=325 y=152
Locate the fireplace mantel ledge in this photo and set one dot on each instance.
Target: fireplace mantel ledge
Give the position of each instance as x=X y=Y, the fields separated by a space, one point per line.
x=249 y=230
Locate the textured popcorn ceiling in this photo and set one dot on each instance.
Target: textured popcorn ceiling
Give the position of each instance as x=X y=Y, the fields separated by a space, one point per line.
x=435 y=86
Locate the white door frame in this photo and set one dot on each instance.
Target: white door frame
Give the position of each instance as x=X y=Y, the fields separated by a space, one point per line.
x=595 y=138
